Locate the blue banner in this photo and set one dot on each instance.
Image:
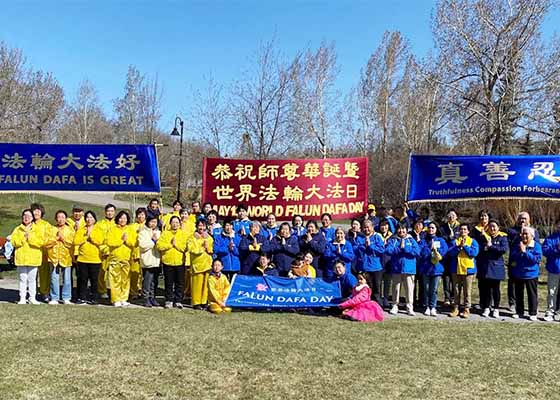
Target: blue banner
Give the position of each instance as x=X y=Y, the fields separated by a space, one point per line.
x=276 y=292
x=444 y=178
x=79 y=167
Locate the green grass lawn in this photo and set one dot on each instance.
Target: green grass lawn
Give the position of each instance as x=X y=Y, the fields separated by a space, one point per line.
x=71 y=352
x=13 y=204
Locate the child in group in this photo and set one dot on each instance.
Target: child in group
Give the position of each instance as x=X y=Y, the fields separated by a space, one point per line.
x=359 y=307
x=218 y=289
x=308 y=260
x=264 y=267
x=298 y=269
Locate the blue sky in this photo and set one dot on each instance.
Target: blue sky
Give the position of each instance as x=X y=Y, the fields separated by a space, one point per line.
x=182 y=41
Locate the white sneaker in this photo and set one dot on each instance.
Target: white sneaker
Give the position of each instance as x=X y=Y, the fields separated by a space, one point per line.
x=496 y=313
x=117 y=304
x=486 y=313
x=53 y=302
x=533 y=318
x=22 y=301
x=34 y=302
x=394 y=310
x=125 y=304
x=433 y=312
x=514 y=316
x=410 y=311
x=427 y=312
x=67 y=302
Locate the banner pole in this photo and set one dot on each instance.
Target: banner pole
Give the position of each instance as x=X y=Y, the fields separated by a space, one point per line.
x=408 y=176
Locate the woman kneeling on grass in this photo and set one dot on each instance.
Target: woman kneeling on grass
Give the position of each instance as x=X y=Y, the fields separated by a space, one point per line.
x=218 y=289
x=28 y=242
x=359 y=307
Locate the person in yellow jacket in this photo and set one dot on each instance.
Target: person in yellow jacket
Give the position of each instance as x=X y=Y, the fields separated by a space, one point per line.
x=88 y=240
x=172 y=245
x=105 y=225
x=200 y=247
x=187 y=225
x=28 y=241
x=135 y=270
x=60 y=246
x=76 y=221
x=177 y=207
x=44 y=270
x=121 y=240
x=218 y=289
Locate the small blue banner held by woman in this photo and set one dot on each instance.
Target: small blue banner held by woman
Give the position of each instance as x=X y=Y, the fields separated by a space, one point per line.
x=276 y=292
x=79 y=167
x=444 y=178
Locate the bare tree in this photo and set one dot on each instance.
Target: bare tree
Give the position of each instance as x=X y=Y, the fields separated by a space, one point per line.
x=30 y=101
x=495 y=67
x=261 y=105
x=315 y=97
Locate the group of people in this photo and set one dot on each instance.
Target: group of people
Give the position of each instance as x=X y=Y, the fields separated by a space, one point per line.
x=385 y=257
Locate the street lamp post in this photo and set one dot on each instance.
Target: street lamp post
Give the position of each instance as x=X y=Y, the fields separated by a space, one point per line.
x=175 y=132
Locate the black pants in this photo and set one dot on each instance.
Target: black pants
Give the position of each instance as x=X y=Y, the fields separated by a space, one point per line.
x=511 y=290
x=531 y=285
x=150 y=278
x=87 y=272
x=374 y=280
x=174 y=283
x=447 y=282
x=229 y=275
x=489 y=293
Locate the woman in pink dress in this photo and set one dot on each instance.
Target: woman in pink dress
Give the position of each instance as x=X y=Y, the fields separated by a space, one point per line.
x=359 y=307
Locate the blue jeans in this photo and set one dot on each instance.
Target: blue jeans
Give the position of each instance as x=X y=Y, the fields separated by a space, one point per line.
x=430 y=284
x=66 y=273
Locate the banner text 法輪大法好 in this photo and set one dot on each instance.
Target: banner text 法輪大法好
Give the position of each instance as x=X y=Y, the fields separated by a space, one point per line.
x=444 y=178
x=79 y=167
x=287 y=187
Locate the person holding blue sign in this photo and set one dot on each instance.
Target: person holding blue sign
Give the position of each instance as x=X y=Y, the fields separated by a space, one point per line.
x=432 y=251
x=525 y=258
x=347 y=280
x=491 y=268
x=403 y=250
x=462 y=254
x=371 y=248
x=284 y=247
x=264 y=267
x=226 y=249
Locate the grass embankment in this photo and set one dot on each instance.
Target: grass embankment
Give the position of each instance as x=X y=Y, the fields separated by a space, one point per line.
x=75 y=352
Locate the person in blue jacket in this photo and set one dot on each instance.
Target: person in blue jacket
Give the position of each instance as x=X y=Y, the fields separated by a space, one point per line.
x=432 y=252
x=270 y=228
x=337 y=250
x=462 y=257
x=242 y=224
x=370 y=250
x=327 y=229
x=315 y=243
x=250 y=247
x=525 y=257
x=284 y=247
x=263 y=267
x=226 y=249
x=352 y=236
x=298 y=229
x=490 y=267
x=347 y=280
x=404 y=252
x=551 y=250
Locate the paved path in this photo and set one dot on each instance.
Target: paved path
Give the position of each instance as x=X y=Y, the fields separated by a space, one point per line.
x=97 y=198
